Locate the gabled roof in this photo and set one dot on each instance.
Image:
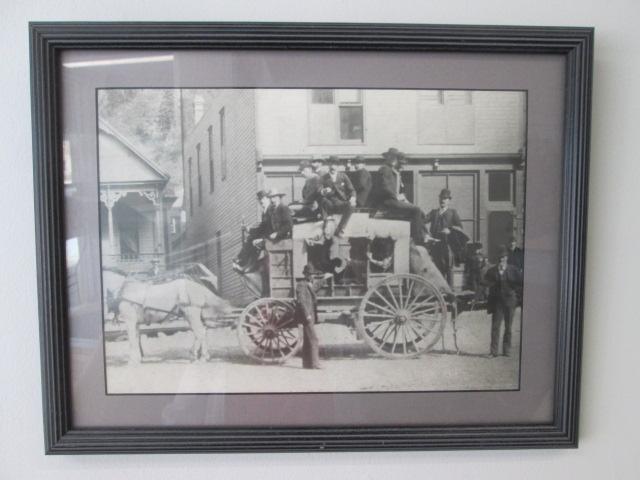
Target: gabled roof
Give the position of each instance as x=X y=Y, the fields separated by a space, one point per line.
x=121 y=162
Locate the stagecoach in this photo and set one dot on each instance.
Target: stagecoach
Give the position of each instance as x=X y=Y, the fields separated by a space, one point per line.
x=397 y=313
x=378 y=286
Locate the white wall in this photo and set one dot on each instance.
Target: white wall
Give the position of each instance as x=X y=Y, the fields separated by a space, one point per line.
x=609 y=447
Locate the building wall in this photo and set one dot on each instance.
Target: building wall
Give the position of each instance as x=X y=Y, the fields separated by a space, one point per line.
x=213 y=228
x=395 y=118
x=470 y=134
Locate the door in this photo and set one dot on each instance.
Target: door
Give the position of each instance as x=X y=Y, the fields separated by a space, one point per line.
x=464 y=193
x=500 y=230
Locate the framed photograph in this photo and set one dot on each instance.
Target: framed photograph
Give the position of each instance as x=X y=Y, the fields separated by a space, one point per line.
x=298 y=237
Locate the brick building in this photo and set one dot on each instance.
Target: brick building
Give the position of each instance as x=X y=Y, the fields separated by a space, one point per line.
x=236 y=141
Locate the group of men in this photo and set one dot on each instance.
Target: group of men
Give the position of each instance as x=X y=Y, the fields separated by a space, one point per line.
x=328 y=190
x=275 y=224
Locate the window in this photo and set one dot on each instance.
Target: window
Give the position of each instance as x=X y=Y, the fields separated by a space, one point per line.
x=190 y=188
x=199 y=172
x=500 y=188
x=351 y=123
x=211 y=171
x=446 y=117
x=223 y=151
x=335 y=117
x=319 y=95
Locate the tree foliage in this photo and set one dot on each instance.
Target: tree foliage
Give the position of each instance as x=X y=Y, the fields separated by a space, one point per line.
x=150 y=119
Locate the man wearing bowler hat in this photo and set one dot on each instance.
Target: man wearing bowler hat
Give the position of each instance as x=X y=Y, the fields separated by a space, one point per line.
x=319 y=166
x=279 y=217
x=503 y=280
x=445 y=230
x=337 y=194
x=389 y=194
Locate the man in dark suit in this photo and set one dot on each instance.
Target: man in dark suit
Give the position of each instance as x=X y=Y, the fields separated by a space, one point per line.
x=337 y=194
x=503 y=280
x=516 y=258
x=444 y=224
x=361 y=180
x=389 y=194
x=279 y=217
x=307 y=316
x=516 y=254
x=310 y=191
x=247 y=259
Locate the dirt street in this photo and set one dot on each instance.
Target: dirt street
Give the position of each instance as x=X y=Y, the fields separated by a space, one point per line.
x=348 y=365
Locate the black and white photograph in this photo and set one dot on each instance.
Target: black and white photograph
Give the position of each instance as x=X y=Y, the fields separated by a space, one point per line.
x=311 y=240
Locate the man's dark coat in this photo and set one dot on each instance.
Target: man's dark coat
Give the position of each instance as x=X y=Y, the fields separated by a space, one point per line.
x=362 y=184
x=281 y=221
x=342 y=188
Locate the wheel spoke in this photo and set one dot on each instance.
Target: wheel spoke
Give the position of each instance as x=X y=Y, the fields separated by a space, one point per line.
x=384 y=300
x=257 y=323
x=378 y=315
x=415 y=347
x=423 y=327
x=424 y=310
x=382 y=340
x=377 y=326
x=417 y=296
x=381 y=308
x=393 y=298
x=408 y=295
x=431 y=300
x=395 y=337
x=404 y=342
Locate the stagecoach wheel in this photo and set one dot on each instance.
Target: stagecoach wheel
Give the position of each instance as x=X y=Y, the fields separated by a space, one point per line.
x=267 y=331
x=402 y=316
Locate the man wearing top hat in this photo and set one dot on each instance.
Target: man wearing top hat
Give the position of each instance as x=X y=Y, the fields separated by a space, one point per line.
x=389 y=194
x=503 y=280
x=445 y=228
x=279 y=217
x=337 y=194
x=361 y=180
x=247 y=258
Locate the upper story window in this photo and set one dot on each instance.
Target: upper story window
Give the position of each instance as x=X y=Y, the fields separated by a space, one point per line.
x=336 y=117
x=321 y=96
x=446 y=117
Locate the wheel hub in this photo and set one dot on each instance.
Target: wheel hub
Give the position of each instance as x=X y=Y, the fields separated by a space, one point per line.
x=402 y=316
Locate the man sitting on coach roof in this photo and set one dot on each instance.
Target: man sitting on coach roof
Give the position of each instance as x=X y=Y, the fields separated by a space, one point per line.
x=361 y=180
x=248 y=257
x=310 y=191
x=390 y=197
x=338 y=194
x=279 y=217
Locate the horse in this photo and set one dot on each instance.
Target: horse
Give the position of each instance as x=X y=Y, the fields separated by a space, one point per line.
x=421 y=263
x=138 y=301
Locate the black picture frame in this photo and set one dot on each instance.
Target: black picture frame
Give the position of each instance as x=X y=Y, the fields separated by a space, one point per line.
x=48 y=40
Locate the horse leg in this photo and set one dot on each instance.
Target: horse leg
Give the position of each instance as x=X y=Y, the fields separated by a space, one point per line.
x=130 y=315
x=194 y=317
